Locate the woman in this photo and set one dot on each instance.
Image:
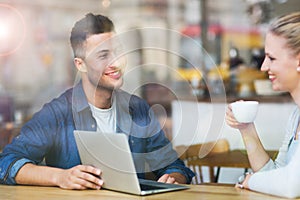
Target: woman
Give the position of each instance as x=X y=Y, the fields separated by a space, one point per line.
x=282 y=63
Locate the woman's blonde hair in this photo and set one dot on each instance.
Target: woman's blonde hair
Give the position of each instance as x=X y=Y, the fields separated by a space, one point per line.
x=288 y=26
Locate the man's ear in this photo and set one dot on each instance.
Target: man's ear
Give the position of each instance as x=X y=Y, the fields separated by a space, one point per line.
x=80 y=65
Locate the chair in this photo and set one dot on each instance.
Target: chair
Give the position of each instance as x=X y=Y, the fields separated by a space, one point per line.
x=193 y=153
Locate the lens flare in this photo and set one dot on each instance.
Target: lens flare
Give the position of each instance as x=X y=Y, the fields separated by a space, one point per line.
x=12 y=29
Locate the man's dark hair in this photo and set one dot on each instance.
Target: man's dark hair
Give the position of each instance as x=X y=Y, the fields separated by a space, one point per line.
x=89 y=25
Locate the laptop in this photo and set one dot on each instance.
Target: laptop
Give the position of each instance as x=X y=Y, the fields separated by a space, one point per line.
x=111 y=153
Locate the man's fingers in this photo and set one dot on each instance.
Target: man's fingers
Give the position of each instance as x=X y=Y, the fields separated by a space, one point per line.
x=170 y=180
x=89 y=177
x=163 y=178
x=166 y=178
x=90 y=169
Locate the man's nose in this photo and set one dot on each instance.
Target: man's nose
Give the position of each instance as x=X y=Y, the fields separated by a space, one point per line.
x=119 y=60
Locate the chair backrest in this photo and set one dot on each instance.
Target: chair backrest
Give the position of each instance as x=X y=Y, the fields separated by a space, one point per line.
x=197 y=151
x=219 y=146
x=203 y=149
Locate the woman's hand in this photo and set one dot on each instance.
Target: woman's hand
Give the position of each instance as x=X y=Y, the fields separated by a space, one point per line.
x=232 y=122
x=244 y=183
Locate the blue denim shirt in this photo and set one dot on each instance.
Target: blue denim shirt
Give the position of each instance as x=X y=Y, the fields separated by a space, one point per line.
x=48 y=136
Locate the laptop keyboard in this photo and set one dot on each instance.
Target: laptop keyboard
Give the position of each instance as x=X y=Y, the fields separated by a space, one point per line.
x=150 y=187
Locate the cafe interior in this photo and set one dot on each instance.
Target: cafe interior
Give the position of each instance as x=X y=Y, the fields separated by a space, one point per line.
x=187 y=58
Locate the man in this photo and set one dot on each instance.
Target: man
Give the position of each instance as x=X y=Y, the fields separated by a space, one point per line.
x=95 y=103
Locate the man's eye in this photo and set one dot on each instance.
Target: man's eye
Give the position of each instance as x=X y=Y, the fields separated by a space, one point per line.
x=103 y=55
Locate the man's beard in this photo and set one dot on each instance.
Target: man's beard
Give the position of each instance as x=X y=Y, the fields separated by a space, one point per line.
x=109 y=88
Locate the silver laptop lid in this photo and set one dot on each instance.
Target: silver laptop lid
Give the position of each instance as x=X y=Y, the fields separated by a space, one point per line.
x=111 y=154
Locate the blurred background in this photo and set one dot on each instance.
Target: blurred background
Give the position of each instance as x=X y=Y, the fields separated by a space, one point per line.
x=198 y=51
x=36 y=59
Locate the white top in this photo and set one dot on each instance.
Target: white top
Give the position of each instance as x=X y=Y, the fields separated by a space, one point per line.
x=282 y=177
x=105 y=118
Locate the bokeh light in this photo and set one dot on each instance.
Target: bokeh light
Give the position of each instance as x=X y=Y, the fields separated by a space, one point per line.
x=12 y=29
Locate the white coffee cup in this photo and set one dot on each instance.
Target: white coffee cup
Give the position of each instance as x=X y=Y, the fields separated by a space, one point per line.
x=245 y=111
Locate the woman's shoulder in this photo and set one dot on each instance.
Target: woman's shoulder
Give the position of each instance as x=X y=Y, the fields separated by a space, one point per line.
x=295 y=114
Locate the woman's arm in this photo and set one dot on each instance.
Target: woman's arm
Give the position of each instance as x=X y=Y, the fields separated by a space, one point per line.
x=257 y=155
x=255 y=150
x=283 y=181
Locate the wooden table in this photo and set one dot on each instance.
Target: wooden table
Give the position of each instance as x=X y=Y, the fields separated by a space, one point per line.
x=213 y=192
x=233 y=158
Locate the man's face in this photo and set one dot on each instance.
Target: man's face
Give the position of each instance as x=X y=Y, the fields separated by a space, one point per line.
x=104 y=64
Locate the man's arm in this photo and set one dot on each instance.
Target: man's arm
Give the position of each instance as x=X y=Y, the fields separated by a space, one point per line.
x=157 y=150
x=78 y=177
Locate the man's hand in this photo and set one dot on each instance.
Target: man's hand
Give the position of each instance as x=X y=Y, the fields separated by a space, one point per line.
x=79 y=177
x=175 y=178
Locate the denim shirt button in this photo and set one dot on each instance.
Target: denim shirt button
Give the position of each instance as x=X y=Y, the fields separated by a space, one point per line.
x=93 y=125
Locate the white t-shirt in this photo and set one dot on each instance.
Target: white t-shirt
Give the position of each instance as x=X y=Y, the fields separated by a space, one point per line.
x=105 y=118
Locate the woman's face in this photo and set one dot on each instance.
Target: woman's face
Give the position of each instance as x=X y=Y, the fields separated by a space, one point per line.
x=280 y=64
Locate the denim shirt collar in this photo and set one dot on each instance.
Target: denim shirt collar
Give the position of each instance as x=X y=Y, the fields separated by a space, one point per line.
x=124 y=112
x=79 y=100
x=84 y=119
